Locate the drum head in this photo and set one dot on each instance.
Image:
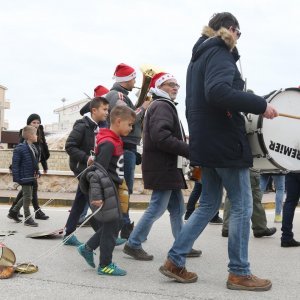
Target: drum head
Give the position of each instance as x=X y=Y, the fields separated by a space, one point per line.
x=280 y=136
x=46 y=234
x=7 y=256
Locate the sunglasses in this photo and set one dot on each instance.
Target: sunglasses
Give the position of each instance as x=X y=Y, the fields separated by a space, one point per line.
x=238 y=32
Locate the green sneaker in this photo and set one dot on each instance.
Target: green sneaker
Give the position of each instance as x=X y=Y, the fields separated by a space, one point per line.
x=111 y=270
x=120 y=241
x=87 y=255
x=71 y=241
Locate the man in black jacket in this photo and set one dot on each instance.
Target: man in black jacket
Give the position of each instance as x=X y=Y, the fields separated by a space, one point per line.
x=164 y=146
x=219 y=144
x=79 y=145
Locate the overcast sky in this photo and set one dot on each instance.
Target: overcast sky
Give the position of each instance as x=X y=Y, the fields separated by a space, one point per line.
x=61 y=48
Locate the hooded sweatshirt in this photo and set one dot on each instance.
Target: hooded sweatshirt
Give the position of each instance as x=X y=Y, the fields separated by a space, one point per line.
x=109 y=153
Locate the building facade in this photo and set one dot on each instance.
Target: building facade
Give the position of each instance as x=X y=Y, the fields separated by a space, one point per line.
x=4 y=104
x=67 y=115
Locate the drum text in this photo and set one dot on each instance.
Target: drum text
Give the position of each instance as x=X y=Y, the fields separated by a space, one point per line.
x=285 y=150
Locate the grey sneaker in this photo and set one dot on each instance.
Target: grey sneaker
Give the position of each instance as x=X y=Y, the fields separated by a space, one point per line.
x=138 y=254
x=31 y=223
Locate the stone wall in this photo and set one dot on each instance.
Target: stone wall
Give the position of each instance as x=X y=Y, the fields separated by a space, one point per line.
x=58 y=161
x=59 y=177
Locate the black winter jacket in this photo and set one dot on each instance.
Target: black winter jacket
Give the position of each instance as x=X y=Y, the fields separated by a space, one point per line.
x=162 y=143
x=214 y=102
x=96 y=182
x=79 y=143
x=24 y=165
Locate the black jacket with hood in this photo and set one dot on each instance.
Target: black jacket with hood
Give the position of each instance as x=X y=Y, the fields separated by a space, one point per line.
x=79 y=143
x=214 y=102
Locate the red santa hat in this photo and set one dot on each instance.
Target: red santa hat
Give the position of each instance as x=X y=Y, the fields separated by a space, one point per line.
x=124 y=73
x=159 y=78
x=100 y=91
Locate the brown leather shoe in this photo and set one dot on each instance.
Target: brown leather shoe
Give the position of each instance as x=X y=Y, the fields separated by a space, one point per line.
x=247 y=283
x=180 y=274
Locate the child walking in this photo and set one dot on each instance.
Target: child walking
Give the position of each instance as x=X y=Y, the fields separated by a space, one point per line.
x=102 y=181
x=43 y=155
x=25 y=171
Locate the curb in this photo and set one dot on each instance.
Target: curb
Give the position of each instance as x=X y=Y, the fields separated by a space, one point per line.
x=139 y=205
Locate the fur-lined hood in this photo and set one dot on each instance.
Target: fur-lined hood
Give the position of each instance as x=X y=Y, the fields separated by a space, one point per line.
x=223 y=33
x=211 y=38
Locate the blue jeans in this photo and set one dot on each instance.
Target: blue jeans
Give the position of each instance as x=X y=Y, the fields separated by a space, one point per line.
x=279 y=182
x=290 y=204
x=129 y=168
x=193 y=199
x=159 y=202
x=237 y=184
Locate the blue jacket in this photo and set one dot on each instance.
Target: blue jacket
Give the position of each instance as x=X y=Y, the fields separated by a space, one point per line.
x=24 y=165
x=214 y=102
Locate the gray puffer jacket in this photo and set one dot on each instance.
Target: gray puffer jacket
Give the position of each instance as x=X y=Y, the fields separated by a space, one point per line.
x=96 y=182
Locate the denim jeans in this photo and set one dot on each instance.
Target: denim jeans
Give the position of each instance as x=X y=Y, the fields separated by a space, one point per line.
x=258 y=218
x=237 y=184
x=292 y=197
x=159 y=202
x=129 y=168
x=77 y=208
x=279 y=182
x=193 y=199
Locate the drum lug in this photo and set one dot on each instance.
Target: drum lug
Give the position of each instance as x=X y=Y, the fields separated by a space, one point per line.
x=259 y=131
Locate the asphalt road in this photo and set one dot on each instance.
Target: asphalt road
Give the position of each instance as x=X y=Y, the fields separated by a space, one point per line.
x=63 y=274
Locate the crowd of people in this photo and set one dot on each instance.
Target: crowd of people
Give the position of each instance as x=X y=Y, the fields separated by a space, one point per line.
x=102 y=149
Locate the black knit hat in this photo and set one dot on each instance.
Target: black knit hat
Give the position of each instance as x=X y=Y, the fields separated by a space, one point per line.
x=33 y=117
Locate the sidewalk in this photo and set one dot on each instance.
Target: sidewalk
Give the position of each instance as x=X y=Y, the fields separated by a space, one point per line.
x=138 y=201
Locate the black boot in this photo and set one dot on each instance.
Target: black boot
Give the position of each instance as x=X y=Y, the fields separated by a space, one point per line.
x=266 y=232
x=40 y=215
x=126 y=230
x=14 y=216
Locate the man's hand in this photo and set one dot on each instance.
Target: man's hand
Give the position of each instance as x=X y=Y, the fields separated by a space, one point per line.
x=270 y=112
x=97 y=203
x=146 y=104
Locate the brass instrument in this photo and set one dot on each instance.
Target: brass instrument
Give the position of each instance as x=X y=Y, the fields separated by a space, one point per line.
x=148 y=72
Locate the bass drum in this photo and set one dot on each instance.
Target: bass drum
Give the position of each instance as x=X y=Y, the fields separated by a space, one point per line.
x=275 y=144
